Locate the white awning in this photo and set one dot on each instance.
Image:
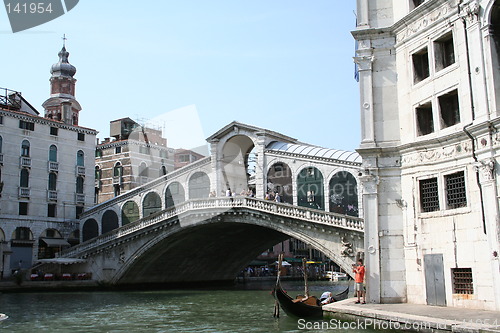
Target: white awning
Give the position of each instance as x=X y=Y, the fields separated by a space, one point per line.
x=62 y=261
x=55 y=242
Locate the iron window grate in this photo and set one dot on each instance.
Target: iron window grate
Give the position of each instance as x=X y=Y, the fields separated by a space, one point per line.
x=455 y=190
x=462 y=281
x=429 y=198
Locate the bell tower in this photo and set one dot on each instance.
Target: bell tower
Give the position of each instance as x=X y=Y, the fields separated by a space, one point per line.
x=62 y=104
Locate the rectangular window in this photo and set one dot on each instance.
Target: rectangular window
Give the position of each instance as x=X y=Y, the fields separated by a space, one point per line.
x=455 y=190
x=51 y=210
x=163 y=153
x=23 y=208
x=118 y=150
x=1 y=120
x=144 y=149
x=420 y=61
x=54 y=131
x=81 y=136
x=429 y=198
x=26 y=125
x=425 y=122
x=444 y=52
x=98 y=153
x=448 y=106
x=462 y=281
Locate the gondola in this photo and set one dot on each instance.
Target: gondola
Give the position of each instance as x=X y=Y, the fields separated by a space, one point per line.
x=296 y=308
x=308 y=308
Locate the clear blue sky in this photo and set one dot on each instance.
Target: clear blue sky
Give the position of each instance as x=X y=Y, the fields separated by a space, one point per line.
x=284 y=65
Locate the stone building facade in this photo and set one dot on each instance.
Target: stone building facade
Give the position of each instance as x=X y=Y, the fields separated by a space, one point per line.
x=429 y=101
x=136 y=155
x=46 y=172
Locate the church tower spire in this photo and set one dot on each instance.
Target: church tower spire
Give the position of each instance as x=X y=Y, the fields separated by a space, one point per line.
x=62 y=104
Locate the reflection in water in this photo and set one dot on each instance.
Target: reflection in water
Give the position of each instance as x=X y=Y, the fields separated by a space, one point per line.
x=235 y=310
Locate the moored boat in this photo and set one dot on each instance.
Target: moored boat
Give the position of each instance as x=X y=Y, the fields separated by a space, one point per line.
x=3 y=317
x=302 y=306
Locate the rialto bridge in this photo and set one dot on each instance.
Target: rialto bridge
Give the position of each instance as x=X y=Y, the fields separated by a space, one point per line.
x=207 y=220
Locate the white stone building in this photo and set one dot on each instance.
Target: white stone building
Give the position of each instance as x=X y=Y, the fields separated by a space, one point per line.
x=430 y=109
x=46 y=172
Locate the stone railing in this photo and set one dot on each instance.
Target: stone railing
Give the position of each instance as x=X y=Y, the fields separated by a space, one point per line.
x=222 y=203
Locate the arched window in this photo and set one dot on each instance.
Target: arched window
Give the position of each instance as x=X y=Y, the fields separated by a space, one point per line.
x=151 y=204
x=90 y=229
x=163 y=170
x=80 y=157
x=79 y=185
x=279 y=181
x=199 y=186
x=24 y=181
x=344 y=194
x=143 y=169
x=130 y=212
x=109 y=221
x=117 y=170
x=52 y=181
x=53 y=153
x=174 y=195
x=310 y=188
x=98 y=173
x=25 y=148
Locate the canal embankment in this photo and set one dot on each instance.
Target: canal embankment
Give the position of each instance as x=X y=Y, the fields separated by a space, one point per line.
x=415 y=317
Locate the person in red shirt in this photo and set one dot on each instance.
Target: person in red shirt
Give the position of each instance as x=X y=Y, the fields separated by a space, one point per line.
x=359 y=278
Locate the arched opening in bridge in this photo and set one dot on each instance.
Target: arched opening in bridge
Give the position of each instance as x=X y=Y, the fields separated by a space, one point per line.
x=237 y=159
x=151 y=204
x=21 y=245
x=293 y=251
x=343 y=196
x=199 y=185
x=130 y=212
x=174 y=255
x=109 y=221
x=279 y=180
x=50 y=243
x=310 y=191
x=90 y=229
x=174 y=195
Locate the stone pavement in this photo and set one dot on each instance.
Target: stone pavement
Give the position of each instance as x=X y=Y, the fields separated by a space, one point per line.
x=417 y=317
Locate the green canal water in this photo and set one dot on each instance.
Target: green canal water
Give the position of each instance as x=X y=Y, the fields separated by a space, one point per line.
x=244 y=308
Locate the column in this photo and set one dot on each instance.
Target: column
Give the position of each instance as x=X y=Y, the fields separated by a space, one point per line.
x=364 y=63
x=372 y=248
x=486 y=169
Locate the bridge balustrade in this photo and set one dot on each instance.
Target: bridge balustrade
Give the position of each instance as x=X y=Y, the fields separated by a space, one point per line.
x=279 y=209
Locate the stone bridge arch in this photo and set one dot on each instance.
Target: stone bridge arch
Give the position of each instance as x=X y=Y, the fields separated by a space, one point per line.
x=191 y=251
x=213 y=239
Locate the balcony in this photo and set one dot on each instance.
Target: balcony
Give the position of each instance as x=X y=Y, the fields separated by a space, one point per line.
x=80 y=170
x=24 y=192
x=25 y=162
x=51 y=195
x=98 y=183
x=80 y=198
x=117 y=180
x=53 y=166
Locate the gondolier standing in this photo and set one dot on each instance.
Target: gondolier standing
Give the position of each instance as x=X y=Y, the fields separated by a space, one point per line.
x=359 y=278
